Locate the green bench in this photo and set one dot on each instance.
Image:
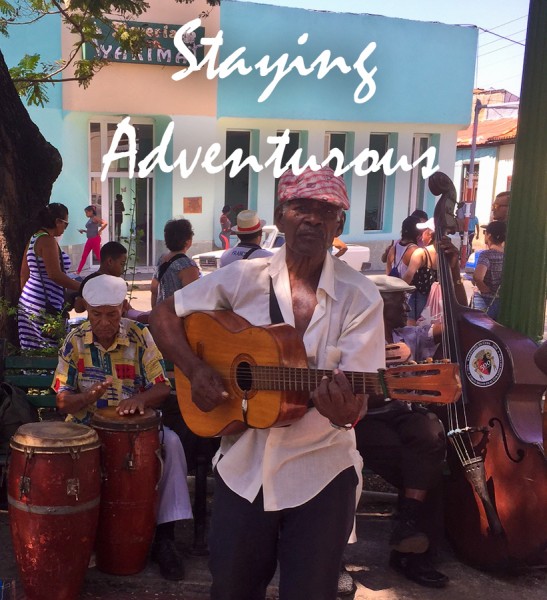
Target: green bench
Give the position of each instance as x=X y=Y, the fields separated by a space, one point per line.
x=34 y=375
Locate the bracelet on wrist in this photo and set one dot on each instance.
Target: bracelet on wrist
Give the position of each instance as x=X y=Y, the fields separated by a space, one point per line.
x=347 y=427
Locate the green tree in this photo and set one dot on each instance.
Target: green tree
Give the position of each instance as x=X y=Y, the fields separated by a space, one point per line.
x=29 y=165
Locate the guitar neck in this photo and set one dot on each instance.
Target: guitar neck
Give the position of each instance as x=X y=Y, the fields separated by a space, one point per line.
x=306 y=380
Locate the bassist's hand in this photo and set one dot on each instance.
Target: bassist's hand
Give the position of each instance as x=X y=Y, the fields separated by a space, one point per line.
x=207 y=388
x=335 y=400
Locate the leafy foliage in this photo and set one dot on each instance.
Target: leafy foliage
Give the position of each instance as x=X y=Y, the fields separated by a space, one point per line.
x=31 y=75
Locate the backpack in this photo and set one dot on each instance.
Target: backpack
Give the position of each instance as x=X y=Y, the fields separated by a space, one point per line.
x=15 y=410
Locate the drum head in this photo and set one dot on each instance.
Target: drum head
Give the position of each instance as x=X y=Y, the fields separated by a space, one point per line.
x=109 y=419
x=53 y=436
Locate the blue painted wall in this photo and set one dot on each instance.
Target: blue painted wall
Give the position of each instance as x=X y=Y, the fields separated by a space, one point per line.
x=425 y=70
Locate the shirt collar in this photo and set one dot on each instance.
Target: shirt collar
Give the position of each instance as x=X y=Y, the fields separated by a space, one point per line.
x=326 y=281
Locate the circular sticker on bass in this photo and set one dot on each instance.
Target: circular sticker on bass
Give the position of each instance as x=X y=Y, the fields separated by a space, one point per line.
x=484 y=363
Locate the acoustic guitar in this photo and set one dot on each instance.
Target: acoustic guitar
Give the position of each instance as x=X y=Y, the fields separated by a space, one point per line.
x=265 y=372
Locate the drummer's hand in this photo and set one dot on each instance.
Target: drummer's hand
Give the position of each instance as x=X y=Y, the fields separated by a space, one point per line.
x=97 y=390
x=131 y=406
x=207 y=388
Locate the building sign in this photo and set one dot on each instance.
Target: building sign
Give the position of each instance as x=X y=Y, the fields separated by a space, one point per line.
x=160 y=51
x=192 y=205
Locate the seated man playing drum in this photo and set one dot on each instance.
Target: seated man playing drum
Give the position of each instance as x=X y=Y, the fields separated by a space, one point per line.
x=112 y=361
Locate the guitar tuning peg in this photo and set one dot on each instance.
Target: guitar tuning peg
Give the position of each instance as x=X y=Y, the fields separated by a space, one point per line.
x=428 y=360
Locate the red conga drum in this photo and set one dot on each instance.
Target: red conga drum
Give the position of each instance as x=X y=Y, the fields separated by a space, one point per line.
x=131 y=470
x=54 y=485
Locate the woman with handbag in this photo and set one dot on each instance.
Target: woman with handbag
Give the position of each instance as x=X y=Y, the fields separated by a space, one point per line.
x=400 y=253
x=487 y=275
x=422 y=271
x=174 y=270
x=44 y=278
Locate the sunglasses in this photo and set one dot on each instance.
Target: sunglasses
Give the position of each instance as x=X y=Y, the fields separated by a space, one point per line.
x=65 y=222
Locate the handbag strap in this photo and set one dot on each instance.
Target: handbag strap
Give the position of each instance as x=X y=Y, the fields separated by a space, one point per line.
x=249 y=252
x=403 y=254
x=164 y=266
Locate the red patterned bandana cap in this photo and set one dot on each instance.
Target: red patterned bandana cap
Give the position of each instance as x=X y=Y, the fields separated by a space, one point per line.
x=322 y=185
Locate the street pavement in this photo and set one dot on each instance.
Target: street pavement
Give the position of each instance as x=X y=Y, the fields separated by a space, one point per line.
x=367 y=561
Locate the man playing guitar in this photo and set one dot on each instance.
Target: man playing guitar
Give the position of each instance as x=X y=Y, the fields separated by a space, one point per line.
x=287 y=494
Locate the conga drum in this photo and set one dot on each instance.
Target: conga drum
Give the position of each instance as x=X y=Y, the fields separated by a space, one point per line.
x=54 y=485
x=131 y=464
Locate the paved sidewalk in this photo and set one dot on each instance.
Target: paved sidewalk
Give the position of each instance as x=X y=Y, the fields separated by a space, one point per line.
x=366 y=559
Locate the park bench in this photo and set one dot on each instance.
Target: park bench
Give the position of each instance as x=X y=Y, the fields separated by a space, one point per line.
x=34 y=375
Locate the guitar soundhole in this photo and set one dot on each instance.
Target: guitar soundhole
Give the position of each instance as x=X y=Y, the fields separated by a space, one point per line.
x=244 y=376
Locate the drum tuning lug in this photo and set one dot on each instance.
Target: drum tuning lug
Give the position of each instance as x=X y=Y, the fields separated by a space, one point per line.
x=129 y=463
x=24 y=487
x=73 y=487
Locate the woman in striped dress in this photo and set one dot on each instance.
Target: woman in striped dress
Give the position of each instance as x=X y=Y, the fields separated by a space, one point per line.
x=43 y=277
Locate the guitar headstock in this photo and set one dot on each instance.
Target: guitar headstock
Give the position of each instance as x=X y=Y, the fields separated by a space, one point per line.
x=437 y=382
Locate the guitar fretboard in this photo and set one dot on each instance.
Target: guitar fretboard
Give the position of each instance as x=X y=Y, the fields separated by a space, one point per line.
x=306 y=380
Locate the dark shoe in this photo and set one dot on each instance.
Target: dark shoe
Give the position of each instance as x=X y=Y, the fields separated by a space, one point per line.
x=346 y=585
x=417 y=567
x=406 y=537
x=165 y=553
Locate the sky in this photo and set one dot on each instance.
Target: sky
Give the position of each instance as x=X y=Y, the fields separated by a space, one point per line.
x=499 y=62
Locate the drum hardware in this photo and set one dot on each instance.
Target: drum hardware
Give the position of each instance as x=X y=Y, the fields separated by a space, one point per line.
x=129 y=464
x=24 y=484
x=73 y=487
x=24 y=487
x=160 y=455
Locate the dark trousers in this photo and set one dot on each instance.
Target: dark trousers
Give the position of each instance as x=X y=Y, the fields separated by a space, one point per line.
x=407 y=448
x=246 y=542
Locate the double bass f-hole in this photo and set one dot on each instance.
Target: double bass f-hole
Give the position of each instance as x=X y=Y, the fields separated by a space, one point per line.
x=520 y=452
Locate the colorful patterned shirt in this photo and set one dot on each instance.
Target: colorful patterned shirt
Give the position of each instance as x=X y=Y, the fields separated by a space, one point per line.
x=133 y=361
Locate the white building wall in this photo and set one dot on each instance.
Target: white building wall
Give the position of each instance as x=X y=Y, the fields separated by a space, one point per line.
x=505 y=167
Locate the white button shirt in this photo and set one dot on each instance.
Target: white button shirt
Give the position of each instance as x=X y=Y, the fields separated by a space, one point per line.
x=293 y=464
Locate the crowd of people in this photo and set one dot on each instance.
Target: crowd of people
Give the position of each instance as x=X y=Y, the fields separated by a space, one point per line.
x=275 y=485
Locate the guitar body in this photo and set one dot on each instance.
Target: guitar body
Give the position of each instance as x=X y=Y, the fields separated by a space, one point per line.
x=229 y=343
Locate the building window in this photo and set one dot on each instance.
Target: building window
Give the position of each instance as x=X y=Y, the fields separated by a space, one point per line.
x=289 y=150
x=376 y=186
x=418 y=189
x=334 y=140
x=236 y=189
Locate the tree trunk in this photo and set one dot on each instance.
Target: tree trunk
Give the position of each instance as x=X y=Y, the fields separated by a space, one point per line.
x=28 y=167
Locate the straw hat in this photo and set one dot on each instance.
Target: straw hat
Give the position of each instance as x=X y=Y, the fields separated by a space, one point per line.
x=248 y=222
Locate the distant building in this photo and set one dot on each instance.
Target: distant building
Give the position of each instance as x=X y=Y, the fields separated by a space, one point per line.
x=423 y=88
x=495 y=150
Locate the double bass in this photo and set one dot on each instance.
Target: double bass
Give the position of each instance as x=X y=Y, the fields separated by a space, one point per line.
x=496 y=492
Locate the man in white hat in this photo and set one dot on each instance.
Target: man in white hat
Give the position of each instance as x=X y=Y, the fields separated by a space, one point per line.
x=286 y=495
x=249 y=231
x=112 y=361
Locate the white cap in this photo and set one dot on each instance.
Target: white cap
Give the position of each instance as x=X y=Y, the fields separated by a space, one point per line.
x=429 y=224
x=105 y=290
x=386 y=283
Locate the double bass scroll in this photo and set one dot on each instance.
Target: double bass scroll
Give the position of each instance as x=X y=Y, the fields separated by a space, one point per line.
x=496 y=494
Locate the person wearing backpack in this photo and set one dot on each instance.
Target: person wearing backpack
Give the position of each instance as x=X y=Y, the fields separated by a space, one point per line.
x=175 y=270
x=249 y=231
x=399 y=255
